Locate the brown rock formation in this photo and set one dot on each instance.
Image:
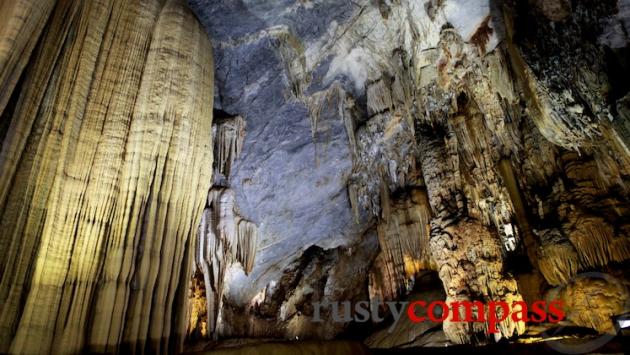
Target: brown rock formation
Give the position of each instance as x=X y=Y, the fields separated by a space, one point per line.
x=592 y=299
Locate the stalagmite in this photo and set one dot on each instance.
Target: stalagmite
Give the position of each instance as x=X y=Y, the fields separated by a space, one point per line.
x=558 y=259
x=105 y=165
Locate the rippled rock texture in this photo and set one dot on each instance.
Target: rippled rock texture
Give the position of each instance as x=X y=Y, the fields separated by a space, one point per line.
x=106 y=163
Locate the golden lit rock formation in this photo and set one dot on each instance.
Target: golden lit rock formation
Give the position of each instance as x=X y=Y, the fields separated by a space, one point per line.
x=105 y=168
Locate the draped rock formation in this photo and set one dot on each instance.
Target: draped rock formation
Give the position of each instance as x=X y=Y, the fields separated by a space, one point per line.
x=592 y=299
x=404 y=241
x=106 y=162
x=225 y=238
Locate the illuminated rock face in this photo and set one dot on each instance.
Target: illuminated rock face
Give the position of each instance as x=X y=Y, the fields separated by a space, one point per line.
x=106 y=165
x=473 y=138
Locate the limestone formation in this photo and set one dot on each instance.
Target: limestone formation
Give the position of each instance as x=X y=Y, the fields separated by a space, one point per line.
x=105 y=165
x=592 y=300
x=22 y=24
x=405 y=251
x=225 y=238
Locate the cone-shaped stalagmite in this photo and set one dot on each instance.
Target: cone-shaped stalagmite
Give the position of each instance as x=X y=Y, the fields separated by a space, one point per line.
x=106 y=165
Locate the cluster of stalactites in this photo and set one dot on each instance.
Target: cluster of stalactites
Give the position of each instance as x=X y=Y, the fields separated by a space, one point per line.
x=228 y=136
x=224 y=230
x=404 y=244
x=224 y=238
x=384 y=146
x=438 y=156
x=585 y=242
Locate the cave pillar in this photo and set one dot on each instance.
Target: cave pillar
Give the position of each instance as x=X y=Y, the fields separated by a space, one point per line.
x=467 y=253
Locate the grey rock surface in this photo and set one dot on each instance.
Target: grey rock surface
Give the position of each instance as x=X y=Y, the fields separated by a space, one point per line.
x=289 y=179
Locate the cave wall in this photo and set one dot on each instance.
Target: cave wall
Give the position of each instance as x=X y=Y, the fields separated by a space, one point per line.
x=486 y=141
x=106 y=162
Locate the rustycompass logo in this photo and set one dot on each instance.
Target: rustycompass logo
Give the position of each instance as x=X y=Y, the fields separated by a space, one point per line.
x=554 y=312
x=492 y=312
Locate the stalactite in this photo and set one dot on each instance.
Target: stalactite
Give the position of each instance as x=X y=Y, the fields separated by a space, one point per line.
x=588 y=233
x=595 y=241
x=228 y=142
x=402 y=87
x=557 y=258
x=383 y=282
x=319 y=101
x=108 y=148
x=291 y=50
x=379 y=98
